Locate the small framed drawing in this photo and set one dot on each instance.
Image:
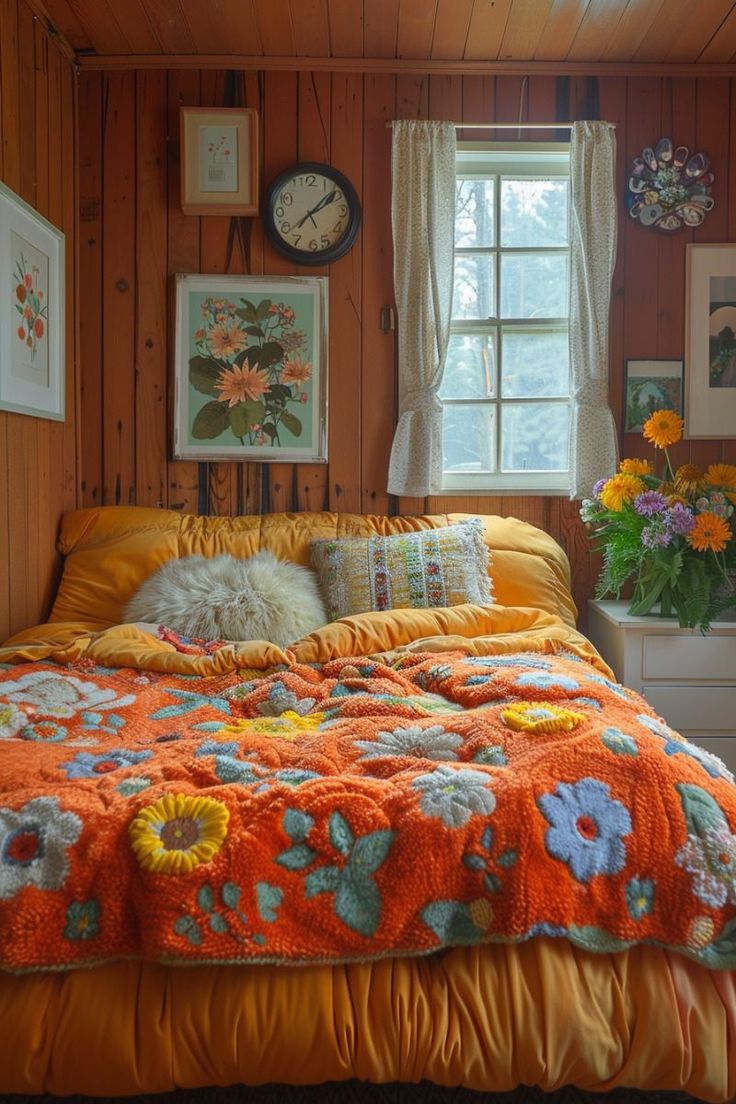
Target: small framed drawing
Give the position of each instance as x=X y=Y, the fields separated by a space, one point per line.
x=710 y=341
x=650 y=385
x=250 y=371
x=32 y=312
x=219 y=160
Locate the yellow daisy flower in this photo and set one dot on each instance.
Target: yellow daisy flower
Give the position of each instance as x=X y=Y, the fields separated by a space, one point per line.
x=635 y=467
x=710 y=533
x=178 y=832
x=288 y=725
x=689 y=480
x=540 y=717
x=663 y=428
x=621 y=488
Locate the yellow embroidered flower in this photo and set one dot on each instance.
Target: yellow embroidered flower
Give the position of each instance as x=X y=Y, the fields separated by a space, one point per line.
x=178 y=832
x=663 y=428
x=540 y=717
x=689 y=480
x=288 y=725
x=621 y=488
x=481 y=913
x=700 y=933
x=635 y=467
x=710 y=533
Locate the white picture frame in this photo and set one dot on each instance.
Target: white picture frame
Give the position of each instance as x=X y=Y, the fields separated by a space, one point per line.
x=710 y=341
x=32 y=314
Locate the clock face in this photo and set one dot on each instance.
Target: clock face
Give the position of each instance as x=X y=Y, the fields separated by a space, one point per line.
x=312 y=213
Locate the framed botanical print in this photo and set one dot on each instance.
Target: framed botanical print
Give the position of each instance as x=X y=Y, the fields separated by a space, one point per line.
x=219 y=160
x=32 y=311
x=710 y=341
x=250 y=368
x=650 y=385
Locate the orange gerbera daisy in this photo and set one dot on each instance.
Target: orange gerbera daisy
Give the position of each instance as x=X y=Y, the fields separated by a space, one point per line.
x=635 y=467
x=663 y=428
x=226 y=340
x=689 y=479
x=621 y=488
x=710 y=533
x=296 y=371
x=721 y=475
x=241 y=385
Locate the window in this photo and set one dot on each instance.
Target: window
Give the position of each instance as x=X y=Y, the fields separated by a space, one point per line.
x=506 y=388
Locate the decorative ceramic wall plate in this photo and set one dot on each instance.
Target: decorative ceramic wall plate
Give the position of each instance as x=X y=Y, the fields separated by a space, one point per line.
x=668 y=188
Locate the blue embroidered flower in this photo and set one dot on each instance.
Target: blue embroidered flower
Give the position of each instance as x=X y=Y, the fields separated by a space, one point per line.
x=710 y=763
x=587 y=826
x=436 y=673
x=82 y=920
x=618 y=742
x=592 y=702
x=614 y=687
x=547 y=682
x=453 y=795
x=478 y=680
x=131 y=786
x=280 y=700
x=34 y=843
x=87 y=765
x=521 y=659
x=44 y=732
x=421 y=743
x=640 y=897
x=659 y=728
x=711 y=860
x=491 y=755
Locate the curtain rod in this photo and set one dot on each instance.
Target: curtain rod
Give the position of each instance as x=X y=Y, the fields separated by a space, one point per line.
x=508 y=126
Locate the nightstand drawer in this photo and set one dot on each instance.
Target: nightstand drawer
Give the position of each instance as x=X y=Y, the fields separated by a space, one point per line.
x=683 y=657
x=695 y=708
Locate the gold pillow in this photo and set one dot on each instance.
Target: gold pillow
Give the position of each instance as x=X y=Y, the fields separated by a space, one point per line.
x=420 y=570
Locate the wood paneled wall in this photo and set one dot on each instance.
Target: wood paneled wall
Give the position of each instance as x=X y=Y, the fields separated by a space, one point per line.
x=134 y=237
x=38 y=458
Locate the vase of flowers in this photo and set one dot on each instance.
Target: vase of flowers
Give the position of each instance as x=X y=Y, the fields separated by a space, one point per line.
x=672 y=534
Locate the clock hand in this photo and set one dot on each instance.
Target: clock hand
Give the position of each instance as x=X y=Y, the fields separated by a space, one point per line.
x=329 y=198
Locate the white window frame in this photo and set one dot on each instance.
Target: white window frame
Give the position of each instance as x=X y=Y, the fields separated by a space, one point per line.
x=481 y=160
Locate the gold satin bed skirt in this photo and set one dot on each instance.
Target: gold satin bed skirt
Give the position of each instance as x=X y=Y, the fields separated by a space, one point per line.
x=543 y=1013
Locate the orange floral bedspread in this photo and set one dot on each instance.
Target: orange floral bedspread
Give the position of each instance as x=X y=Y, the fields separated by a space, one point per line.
x=353 y=809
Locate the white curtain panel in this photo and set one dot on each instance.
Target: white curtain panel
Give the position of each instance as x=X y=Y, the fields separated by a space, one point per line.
x=423 y=219
x=593 y=437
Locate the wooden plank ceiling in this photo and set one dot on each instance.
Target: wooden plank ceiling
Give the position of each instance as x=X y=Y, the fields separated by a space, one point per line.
x=635 y=31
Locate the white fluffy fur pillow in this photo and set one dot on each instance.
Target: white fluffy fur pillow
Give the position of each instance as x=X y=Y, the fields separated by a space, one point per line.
x=221 y=597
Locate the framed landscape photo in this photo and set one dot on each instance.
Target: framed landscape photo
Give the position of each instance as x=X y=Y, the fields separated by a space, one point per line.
x=219 y=160
x=250 y=368
x=650 y=385
x=32 y=312
x=710 y=341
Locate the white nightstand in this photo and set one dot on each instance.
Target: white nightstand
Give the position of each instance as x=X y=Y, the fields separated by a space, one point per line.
x=688 y=678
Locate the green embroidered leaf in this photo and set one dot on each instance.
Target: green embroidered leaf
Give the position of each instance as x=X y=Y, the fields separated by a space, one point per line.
x=323 y=880
x=341 y=837
x=297 y=857
x=370 y=851
x=218 y=923
x=595 y=939
x=486 y=840
x=474 y=862
x=189 y=928
x=721 y=953
x=492 y=883
x=701 y=811
x=358 y=902
x=206 y=898
x=297 y=824
x=230 y=894
x=292 y=423
x=451 y=922
x=509 y=858
x=204 y=374
x=269 y=898
x=212 y=420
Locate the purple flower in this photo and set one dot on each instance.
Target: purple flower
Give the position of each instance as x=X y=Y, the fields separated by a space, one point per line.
x=655 y=537
x=650 y=503
x=598 y=487
x=679 y=519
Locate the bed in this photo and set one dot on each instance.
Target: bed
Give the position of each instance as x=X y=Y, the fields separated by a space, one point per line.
x=435 y=843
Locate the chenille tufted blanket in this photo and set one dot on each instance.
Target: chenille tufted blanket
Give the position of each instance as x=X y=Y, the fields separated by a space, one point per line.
x=353 y=808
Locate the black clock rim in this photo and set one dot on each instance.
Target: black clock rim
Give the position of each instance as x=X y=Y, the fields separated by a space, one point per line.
x=325 y=256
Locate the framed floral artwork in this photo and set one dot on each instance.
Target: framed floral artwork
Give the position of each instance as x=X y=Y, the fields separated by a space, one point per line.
x=250 y=376
x=710 y=341
x=32 y=314
x=219 y=160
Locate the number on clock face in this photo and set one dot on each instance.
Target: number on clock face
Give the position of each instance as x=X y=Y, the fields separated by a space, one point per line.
x=311 y=212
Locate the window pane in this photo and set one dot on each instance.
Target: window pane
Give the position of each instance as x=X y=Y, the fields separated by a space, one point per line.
x=535 y=364
x=469 y=438
x=533 y=213
x=470 y=368
x=533 y=285
x=474 y=213
x=534 y=437
x=474 y=286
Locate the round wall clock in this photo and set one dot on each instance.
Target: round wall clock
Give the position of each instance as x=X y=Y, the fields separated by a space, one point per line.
x=312 y=213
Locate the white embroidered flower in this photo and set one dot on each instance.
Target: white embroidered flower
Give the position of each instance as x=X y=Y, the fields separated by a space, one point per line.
x=11 y=720
x=33 y=845
x=421 y=743
x=711 y=859
x=51 y=694
x=454 y=795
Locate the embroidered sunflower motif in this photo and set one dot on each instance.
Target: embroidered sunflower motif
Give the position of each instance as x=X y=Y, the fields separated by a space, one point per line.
x=178 y=832
x=288 y=725
x=540 y=717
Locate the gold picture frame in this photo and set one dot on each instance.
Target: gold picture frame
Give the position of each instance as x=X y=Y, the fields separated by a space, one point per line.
x=219 y=160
